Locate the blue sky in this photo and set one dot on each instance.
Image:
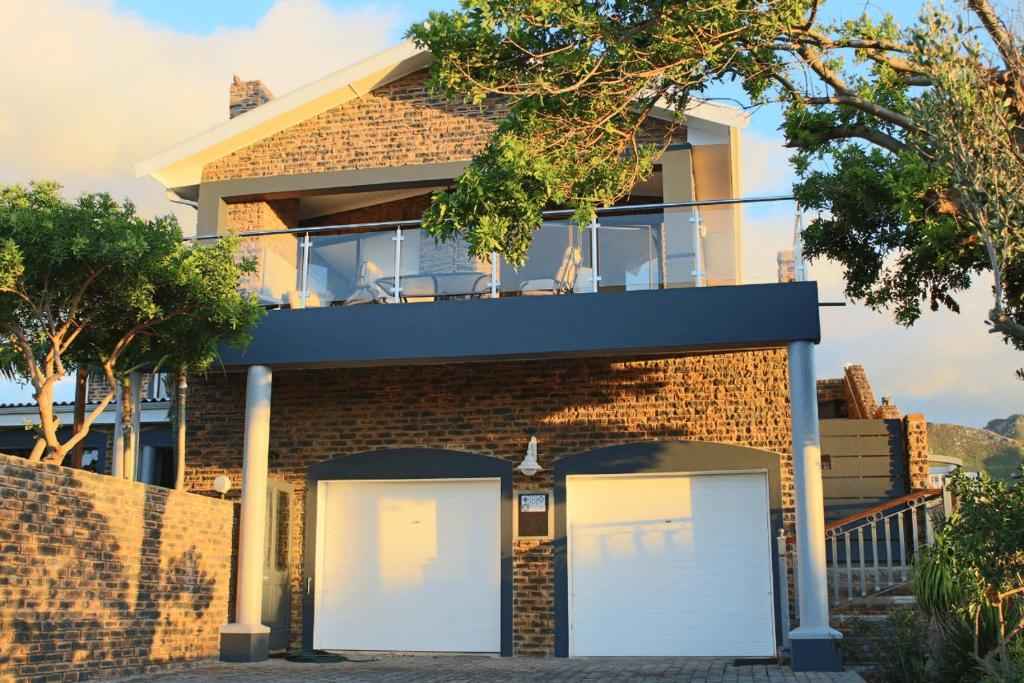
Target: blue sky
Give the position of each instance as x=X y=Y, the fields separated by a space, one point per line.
x=204 y=17
x=146 y=74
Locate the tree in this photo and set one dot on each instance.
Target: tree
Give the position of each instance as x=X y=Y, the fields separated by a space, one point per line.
x=913 y=212
x=90 y=282
x=936 y=196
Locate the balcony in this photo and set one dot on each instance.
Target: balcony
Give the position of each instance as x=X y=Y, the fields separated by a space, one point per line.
x=667 y=275
x=628 y=248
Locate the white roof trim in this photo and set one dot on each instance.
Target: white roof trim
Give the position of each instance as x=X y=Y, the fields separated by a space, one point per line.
x=707 y=112
x=182 y=164
x=154 y=412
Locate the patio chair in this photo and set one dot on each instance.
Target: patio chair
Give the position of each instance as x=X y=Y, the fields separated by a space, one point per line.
x=564 y=279
x=367 y=289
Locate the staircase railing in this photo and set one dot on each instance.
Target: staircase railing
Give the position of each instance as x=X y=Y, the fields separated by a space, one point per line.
x=855 y=544
x=867 y=553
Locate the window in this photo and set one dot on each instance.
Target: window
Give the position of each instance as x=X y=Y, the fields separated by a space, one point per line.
x=159 y=387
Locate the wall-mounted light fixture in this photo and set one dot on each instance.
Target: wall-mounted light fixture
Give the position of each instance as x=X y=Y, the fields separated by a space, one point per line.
x=222 y=485
x=529 y=466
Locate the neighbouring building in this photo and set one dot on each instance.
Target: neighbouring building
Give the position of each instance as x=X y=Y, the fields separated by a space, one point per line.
x=156 y=462
x=870 y=452
x=379 y=429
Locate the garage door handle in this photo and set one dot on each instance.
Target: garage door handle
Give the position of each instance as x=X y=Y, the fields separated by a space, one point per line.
x=309 y=582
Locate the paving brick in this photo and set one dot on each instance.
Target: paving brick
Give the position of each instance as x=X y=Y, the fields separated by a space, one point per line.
x=453 y=669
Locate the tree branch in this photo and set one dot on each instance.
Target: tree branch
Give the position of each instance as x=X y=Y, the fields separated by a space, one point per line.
x=873 y=136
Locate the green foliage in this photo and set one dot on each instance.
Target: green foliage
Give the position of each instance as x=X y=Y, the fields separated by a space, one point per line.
x=89 y=282
x=581 y=81
x=897 y=647
x=972 y=579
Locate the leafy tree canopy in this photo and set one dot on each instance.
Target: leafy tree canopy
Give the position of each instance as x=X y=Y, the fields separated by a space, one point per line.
x=90 y=282
x=907 y=138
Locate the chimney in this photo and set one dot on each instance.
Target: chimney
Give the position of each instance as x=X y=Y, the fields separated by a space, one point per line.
x=246 y=95
x=787 y=266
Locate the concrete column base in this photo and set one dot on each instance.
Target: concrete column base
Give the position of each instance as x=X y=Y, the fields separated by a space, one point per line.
x=815 y=653
x=244 y=642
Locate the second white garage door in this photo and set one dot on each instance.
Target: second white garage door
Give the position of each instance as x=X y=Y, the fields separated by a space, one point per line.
x=409 y=566
x=670 y=565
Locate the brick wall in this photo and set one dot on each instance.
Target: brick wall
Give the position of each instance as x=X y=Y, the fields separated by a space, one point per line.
x=397 y=124
x=493 y=408
x=103 y=577
x=394 y=125
x=915 y=436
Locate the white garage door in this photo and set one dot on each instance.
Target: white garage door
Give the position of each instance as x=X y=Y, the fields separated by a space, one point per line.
x=670 y=565
x=409 y=565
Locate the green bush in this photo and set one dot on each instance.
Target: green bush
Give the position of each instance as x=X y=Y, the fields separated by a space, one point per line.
x=971 y=583
x=897 y=648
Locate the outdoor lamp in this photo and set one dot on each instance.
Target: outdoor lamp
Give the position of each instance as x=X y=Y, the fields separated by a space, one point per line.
x=529 y=466
x=222 y=485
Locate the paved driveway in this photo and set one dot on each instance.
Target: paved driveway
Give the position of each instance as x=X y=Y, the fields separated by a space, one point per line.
x=459 y=669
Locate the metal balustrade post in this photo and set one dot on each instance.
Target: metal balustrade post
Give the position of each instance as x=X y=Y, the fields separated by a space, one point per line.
x=863 y=571
x=874 y=554
x=799 y=264
x=929 y=530
x=903 y=547
x=304 y=248
x=947 y=499
x=595 y=276
x=835 y=570
x=396 y=297
x=915 y=539
x=495 y=283
x=698 y=266
x=849 y=568
x=888 y=549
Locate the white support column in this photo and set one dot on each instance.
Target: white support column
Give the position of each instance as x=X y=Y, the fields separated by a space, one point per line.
x=812 y=646
x=247 y=640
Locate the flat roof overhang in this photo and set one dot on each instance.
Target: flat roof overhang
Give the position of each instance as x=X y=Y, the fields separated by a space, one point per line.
x=691 y=320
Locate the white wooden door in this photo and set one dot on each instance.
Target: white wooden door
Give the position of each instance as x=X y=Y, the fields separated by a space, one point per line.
x=670 y=565
x=409 y=565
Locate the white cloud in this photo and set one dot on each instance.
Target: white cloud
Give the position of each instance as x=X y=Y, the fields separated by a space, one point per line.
x=87 y=90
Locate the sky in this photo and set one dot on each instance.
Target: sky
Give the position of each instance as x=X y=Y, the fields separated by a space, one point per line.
x=89 y=87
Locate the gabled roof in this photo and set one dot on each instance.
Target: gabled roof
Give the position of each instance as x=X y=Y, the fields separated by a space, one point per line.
x=182 y=165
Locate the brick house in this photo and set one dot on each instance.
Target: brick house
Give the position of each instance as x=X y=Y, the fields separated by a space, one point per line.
x=379 y=425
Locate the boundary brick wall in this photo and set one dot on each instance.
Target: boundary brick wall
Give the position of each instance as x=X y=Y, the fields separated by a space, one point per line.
x=570 y=405
x=915 y=435
x=104 y=577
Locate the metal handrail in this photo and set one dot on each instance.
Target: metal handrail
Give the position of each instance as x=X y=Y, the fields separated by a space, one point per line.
x=382 y=226
x=882 y=507
x=858 y=573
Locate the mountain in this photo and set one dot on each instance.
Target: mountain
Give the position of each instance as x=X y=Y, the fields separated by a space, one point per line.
x=1011 y=427
x=990 y=450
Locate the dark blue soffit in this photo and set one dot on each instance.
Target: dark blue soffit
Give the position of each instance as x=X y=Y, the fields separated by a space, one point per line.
x=609 y=323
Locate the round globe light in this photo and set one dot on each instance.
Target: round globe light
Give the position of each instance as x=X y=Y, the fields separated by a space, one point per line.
x=222 y=484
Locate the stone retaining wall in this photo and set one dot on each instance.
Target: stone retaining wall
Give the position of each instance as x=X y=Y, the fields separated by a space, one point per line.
x=104 y=577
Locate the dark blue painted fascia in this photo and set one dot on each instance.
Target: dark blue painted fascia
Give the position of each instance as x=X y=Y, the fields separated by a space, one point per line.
x=609 y=323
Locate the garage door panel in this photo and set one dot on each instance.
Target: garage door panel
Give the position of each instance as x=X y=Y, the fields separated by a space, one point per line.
x=670 y=565
x=410 y=565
